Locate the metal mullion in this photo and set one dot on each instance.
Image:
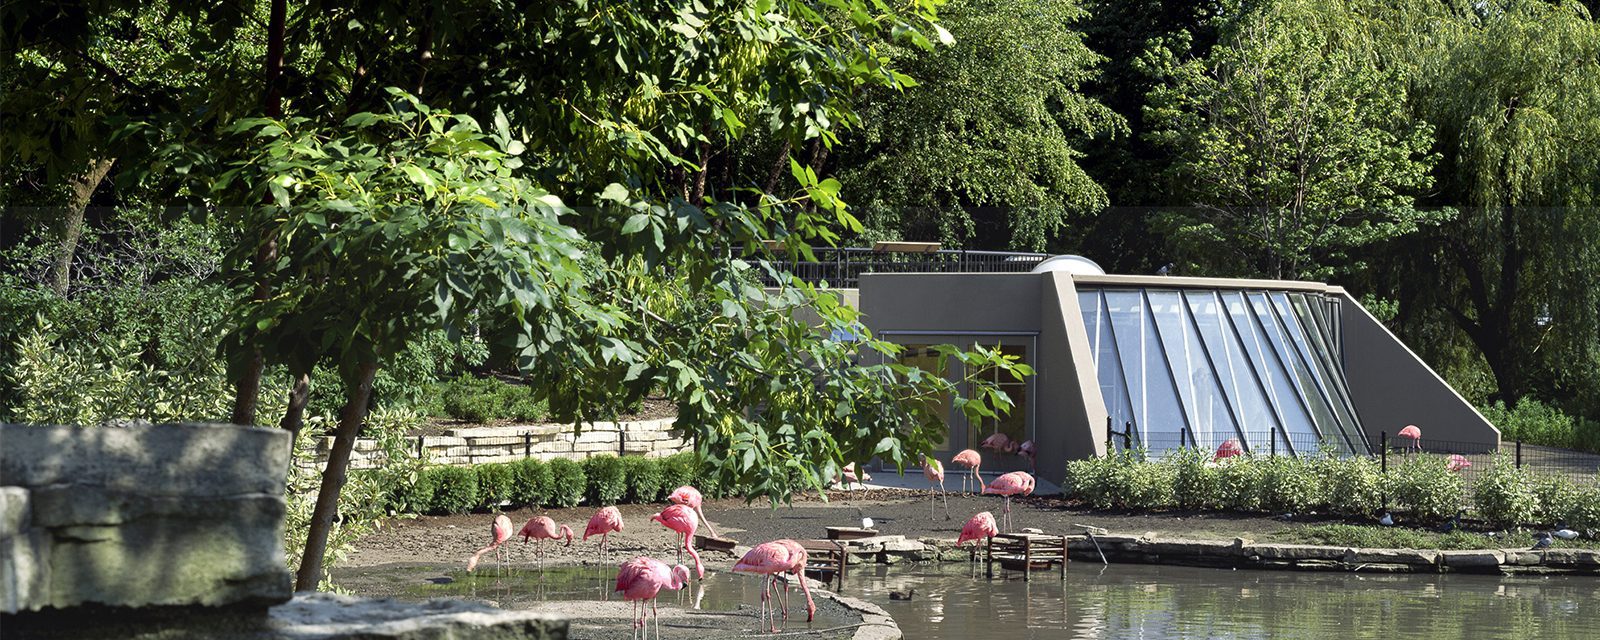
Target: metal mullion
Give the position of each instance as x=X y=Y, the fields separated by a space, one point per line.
x=1288 y=338
x=1336 y=382
x=1288 y=372
x=1238 y=418
x=1122 y=372
x=1183 y=412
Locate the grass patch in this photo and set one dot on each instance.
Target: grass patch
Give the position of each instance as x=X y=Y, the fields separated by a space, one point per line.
x=1350 y=535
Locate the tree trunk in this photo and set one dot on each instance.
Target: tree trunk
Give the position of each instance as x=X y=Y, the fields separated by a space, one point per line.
x=351 y=417
x=778 y=164
x=83 y=187
x=247 y=388
x=294 y=416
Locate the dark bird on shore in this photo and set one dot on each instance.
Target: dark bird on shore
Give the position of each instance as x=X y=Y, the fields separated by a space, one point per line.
x=1165 y=269
x=1450 y=525
x=903 y=595
x=1544 y=542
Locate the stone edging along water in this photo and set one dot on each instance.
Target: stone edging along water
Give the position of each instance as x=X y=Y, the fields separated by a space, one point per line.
x=876 y=624
x=1245 y=553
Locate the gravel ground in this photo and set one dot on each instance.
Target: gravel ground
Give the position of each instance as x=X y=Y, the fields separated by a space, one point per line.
x=446 y=539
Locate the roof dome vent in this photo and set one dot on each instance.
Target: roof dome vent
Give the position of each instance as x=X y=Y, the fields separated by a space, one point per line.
x=1075 y=265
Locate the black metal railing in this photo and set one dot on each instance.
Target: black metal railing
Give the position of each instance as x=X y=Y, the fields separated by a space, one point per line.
x=842 y=267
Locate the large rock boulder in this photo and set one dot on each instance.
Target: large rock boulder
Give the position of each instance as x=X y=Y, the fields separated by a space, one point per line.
x=179 y=514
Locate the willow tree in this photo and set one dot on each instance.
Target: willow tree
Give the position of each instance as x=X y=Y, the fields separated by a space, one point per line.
x=1514 y=89
x=1293 y=140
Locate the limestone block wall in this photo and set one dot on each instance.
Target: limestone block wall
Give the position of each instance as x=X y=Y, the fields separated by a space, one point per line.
x=509 y=443
x=175 y=514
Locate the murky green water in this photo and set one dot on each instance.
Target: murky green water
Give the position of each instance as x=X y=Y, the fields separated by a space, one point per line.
x=1117 y=602
x=1125 y=601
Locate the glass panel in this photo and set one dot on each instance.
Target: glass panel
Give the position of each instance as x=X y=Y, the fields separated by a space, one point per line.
x=1108 y=366
x=1015 y=424
x=1151 y=396
x=1239 y=379
x=1305 y=382
x=922 y=357
x=1210 y=419
x=1319 y=350
x=1278 y=383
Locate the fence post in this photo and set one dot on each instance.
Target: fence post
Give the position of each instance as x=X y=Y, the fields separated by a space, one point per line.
x=527 y=445
x=419 y=446
x=1127 y=435
x=1383 y=443
x=1183 y=439
x=1273 y=448
x=1519 y=454
x=1110 y=444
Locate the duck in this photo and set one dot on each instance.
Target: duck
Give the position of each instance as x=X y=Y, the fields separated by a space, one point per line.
x=903 y=595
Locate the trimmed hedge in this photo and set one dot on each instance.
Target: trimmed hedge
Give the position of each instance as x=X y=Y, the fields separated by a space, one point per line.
x=533 y=482
x=644 y=478
x=606 y=480
x=567 y=483
x=677 y=470
x=1422 y=486
x=495 y=484
x=455 y=490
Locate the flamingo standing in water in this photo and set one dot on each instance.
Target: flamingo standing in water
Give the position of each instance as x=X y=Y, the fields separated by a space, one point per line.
x=978 y=527
x=934 y=472
x=641 y=579
x=603 y=523
x=1011 y=484
x=971 y=460
x=680 y=518
x=500 y=531
x=690 y=497
x=771 y=559
x=543 y=528
x=1411 y=431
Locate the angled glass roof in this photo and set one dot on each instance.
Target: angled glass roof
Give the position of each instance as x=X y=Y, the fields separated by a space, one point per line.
x=1195 y=367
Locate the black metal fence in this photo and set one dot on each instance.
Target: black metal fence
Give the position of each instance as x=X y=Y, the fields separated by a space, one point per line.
x=843 y=267
x=1469 y=458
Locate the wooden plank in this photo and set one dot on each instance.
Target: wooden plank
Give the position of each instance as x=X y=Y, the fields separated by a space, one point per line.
x=886 y=246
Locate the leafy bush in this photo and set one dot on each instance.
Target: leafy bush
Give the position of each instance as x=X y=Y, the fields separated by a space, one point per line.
x=567 y=483
x=1089 y=480
x=1195 y=482
x=1423 y=485
x=1556 y=498
x=456 y=490
x=677 y=470
x=644 y=478
x=495 y=484
x=1504 y=494
x=418 y=497
x=1352 y=486
x=1289 y=485
x=1585 y=509
x=607 y=481
x=487 y=399
x=1240 y=483
x=1535 y=422
x=532 y=483
x=1121 y=480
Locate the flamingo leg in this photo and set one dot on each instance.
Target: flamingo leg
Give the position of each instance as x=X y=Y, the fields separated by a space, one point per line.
x=657 y=616
x=946 y=496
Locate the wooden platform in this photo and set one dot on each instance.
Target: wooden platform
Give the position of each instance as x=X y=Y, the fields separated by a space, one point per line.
x=825 y=560
x=1025 y=552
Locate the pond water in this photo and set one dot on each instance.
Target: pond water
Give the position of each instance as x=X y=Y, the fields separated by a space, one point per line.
x=1120 y=601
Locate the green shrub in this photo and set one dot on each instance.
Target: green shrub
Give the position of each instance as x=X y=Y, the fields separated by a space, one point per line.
x=495 y=484
x=607 y=482
x=531 y=482
x=1585 y=513
x=456 y=490
x=1240 y=482
x=1504 y=494
x=1533 y=422
x=644 y=477
x=418 y=496
x=677 y=470
x=1089 y=480
x=1353 y=485
x=1289 y=485
x=567 y=483
x=1195 y=481
x=1423 y=485
x=487 y=399
x=1557 y=499
x=1122 y=480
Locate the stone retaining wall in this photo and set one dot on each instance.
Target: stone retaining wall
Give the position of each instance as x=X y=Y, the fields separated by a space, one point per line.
x=478 y=445
x=1245 y=553
x=170 y=515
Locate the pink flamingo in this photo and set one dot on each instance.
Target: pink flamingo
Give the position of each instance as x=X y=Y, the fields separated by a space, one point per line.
x=641 y=579
x=1030 y=451
x=1457 y=462
x=1011 y=484
x=680 y=518
x=603 y=523
x=543 y=528
x=501 y=532
x=978 y=527
x=797 y=553
x=934 y=472
x=1411 y=431
x=851 y=475
x=1000 y=442
x=690 y=497
x=971 y=460
x=1228 y=449
x=771 y=559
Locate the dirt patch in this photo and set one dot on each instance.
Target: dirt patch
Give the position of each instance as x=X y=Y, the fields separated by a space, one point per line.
x=444 y=539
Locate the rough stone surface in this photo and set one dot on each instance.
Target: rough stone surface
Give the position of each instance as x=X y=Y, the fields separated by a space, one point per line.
x=171 y=515
x=1392 y=556
x=1478 y=559
x=876 y=624
x=324 y=616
